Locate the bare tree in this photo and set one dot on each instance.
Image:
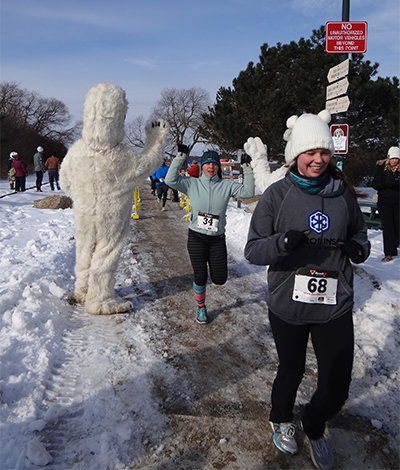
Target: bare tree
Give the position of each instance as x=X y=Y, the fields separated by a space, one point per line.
x=183 y=110
x=47 y=117
x=135 y=135
x=27 y=120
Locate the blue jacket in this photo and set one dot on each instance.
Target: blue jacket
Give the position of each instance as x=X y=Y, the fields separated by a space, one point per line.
x=160 y=174
x=209 y=195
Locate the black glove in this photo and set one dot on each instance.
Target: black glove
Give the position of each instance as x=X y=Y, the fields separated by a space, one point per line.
x=353 y=250
x=245 y=158
x=294 y=240
x=183 y=149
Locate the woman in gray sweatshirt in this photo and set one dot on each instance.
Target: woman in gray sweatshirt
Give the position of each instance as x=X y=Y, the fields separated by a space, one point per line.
x=307 y=228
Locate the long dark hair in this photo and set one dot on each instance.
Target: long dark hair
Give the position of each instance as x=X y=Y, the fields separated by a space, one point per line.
x=338 y=174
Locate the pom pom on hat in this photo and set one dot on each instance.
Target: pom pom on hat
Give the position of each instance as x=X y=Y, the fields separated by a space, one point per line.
x=40 y=149
x=394 y=152
x=210 y=156
x=307 y=132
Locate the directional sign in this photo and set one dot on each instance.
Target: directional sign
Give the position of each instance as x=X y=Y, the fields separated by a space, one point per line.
x=340 y=137
x=338 y=105
x=337 y=88
x=339 y=71
x=343 y=37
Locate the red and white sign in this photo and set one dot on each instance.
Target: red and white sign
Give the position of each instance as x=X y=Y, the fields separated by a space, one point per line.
x=340 y=136
x=346 y=37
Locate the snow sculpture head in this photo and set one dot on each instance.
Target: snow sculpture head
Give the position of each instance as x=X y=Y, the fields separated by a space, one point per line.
x=104 y=116
x=307 y=132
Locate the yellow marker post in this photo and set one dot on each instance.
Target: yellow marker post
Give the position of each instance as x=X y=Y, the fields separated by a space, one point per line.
x=136 y=203
x=187 y=207
x=182 y=200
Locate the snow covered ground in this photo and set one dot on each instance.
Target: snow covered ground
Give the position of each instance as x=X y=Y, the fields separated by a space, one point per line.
x=43 y=382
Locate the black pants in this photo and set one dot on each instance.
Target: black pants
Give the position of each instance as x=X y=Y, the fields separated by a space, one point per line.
x=208 y=250
x=153 y=185
x=333 y=344
x=39 y=179
x=175 y=197
x=20 y=183
x=162 y=193
x=389 y=214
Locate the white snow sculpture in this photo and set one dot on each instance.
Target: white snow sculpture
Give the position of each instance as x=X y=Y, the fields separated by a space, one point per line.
x=100 y=174
x=263 y=176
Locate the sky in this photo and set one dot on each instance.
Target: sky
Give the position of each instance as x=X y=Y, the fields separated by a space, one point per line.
x=57 y=403
x=62 y=48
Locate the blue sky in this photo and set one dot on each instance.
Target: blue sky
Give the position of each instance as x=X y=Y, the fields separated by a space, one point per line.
x=61 y=48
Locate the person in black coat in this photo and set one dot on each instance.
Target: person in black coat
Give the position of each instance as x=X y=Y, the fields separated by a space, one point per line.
x=386 y=182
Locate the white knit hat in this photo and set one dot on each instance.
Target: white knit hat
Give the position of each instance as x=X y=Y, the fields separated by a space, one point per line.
x=307 y=132
x=40 y=149
x=394 y=152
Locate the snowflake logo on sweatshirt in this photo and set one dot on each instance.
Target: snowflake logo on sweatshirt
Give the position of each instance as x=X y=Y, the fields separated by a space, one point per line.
x=318 y=222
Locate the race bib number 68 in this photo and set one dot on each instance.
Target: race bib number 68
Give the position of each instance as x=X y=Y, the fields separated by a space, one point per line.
x=313 y=286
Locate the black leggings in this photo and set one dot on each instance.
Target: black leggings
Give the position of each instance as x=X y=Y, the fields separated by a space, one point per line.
x=389 y=214
x=208 y=249
x=162 y=193
x=39 y=179
x=333 y=344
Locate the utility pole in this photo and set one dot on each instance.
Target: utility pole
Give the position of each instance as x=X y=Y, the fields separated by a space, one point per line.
x=341 y=118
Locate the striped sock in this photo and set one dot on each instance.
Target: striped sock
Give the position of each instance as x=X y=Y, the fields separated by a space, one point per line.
x=199 y=294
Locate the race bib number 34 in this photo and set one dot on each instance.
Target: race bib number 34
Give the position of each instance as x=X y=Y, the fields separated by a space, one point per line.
x=314 y=286
x=208 y=221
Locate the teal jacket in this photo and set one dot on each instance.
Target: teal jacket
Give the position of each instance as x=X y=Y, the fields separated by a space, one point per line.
x=209 y=195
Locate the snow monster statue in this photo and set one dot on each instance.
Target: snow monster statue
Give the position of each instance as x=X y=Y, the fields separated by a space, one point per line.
x=100 y=174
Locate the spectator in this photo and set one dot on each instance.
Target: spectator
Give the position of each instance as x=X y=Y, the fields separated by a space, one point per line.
x=387 y=182
x=194 y=170
x=11 y=170
x=40 y=168
x=20 y=173
x=53 y=166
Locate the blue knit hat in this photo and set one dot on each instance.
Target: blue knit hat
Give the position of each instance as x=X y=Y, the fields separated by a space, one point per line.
x=210 y=156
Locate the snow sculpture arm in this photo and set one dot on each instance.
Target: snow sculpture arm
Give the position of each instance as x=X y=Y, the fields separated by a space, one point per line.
x=259 y=161
x=153 y=152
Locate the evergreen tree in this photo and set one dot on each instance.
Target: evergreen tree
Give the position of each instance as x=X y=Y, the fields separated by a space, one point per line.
x=292 y=79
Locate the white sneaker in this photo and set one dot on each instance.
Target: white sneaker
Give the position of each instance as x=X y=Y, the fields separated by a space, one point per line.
x=284 y=437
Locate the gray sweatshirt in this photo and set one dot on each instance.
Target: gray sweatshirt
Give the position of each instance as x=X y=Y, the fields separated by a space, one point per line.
x=295 y=279
x=38 y=162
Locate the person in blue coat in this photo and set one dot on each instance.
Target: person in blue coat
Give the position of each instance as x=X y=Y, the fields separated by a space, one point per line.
x=209 y=197
x=162 y=188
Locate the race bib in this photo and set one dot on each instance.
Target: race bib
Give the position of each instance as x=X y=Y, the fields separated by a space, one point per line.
x=312 y=286
x=208 y=221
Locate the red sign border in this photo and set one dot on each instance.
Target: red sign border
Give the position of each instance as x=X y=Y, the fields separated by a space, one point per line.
x=365 y=25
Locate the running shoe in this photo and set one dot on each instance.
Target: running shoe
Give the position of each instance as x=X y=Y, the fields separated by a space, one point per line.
x=284 y=437
x=202 y=316
x=321 y=453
